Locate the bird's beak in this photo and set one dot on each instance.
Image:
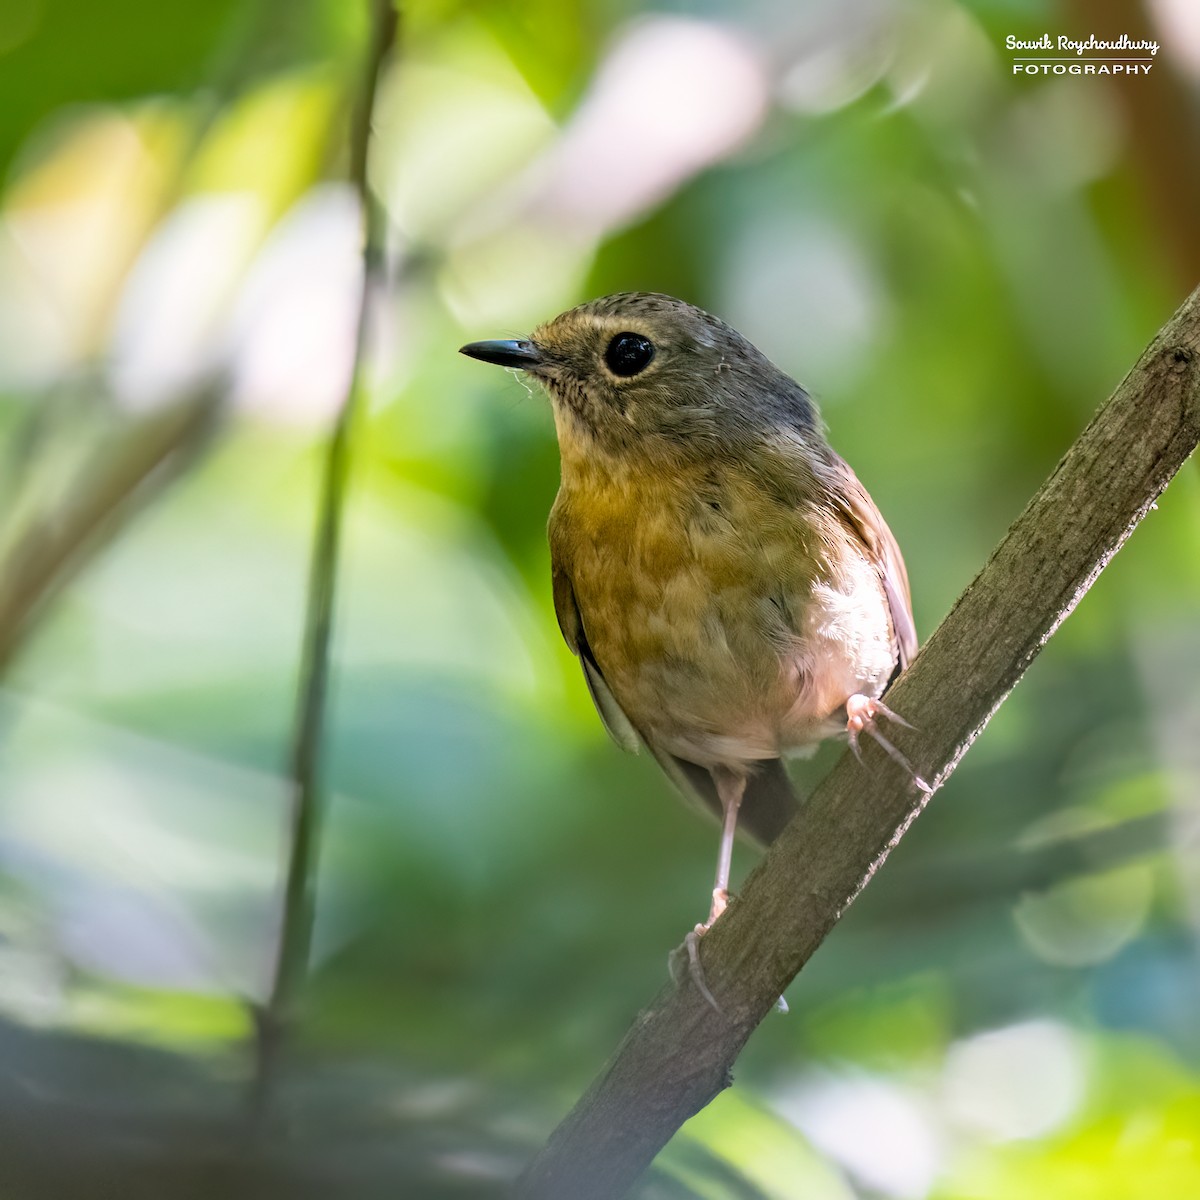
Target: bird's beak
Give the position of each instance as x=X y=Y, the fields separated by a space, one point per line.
x=522 y=354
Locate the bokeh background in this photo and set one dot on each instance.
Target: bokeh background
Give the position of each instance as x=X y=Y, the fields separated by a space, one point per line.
x=959 y=263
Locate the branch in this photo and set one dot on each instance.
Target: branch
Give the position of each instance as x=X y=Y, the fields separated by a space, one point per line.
x=679 y=1053
x=129 y=470
x=296 y=918
x=141 y=459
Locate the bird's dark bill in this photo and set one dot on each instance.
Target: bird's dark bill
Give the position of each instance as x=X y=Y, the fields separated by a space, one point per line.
x=520 y=354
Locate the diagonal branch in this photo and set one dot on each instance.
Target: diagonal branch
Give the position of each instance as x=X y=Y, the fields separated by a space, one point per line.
x=123 y=476
x=679 y=1053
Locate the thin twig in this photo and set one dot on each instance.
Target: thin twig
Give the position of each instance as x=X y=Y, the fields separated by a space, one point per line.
x=297 y=908
x=679 y=1053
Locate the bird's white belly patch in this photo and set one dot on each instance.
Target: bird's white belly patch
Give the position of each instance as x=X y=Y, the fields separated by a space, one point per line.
x=845 y=648
x=793 y=699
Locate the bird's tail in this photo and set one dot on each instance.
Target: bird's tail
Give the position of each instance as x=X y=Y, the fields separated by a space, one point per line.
x=768 y=804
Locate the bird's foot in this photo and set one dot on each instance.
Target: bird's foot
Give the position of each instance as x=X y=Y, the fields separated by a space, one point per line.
x=861 y=712
x=686 y=957
x=691 y=949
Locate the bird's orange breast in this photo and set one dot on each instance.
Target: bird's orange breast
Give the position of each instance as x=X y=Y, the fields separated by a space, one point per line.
x=701 y=596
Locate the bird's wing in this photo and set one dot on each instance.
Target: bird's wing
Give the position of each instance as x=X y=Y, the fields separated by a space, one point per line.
x=571 y=624
x=858 y=511
x=769 y=801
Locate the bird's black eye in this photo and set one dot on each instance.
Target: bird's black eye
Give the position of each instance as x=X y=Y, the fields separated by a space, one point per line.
x=628 y=353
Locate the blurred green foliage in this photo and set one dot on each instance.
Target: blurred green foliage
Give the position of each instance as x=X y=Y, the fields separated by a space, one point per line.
x=959 y=263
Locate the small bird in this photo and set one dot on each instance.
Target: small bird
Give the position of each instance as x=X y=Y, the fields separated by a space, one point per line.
x=732 y=592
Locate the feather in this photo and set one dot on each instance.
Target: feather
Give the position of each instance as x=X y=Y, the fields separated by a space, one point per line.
x=864 y=519
x=768 y=803
x=571 y=623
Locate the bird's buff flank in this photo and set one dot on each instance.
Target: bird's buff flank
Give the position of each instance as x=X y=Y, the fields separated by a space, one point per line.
x=732 y=592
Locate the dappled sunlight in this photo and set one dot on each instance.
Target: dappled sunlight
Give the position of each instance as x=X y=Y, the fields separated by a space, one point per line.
x=174 y=307
x=650 y=120
x=293 y=324
x=1024 y=1081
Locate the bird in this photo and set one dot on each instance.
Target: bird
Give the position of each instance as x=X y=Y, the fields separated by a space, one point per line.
x=732 y=592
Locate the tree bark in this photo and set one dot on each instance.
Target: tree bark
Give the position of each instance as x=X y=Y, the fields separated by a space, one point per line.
x=680 y=1051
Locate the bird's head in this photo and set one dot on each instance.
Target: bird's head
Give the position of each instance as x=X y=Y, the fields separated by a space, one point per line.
x=639 y=370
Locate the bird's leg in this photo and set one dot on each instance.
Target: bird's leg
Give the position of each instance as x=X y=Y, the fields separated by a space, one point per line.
x=730 y=789
x=861 y=712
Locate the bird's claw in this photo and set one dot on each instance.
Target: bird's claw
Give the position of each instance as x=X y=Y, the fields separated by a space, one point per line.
x=861 y=712
x=685 y=960
x=892 y=716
